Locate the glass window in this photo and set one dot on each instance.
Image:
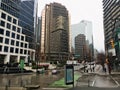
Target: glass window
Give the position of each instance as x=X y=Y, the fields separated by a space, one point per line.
x=17 y=43
x=3 y=15
x=8 y=33
x=1 y=31
x=12 y=42
x=16 y=50
x=25 y=51
x=14 y=28
x=18 y=36
x=21 y=51
x=11 y=49
x=18 y=30
x=13 y=35
x=0 y=48
x=8 y=26
x=22 y=37
x=9 y=18
x=1 y=39
x=21 y=44
x=25 y=45
x=6 y=41
x=14 y=21
x=2 y=23
x=6 y=49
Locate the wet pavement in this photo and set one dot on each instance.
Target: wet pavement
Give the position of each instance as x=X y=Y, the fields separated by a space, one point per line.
x=18 y=80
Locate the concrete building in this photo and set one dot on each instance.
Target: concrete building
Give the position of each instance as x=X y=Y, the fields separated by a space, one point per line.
x=55 y=45
x=17 y=30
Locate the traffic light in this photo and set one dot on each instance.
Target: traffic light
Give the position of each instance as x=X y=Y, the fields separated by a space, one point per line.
x=112 y=43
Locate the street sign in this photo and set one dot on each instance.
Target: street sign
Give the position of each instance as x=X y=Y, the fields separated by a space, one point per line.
x=69 y=74
x=77 y=55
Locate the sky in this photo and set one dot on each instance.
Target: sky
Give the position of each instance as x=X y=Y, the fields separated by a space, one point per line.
x=91 y=10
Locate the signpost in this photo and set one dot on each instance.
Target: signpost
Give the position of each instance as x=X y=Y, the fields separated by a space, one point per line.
x=69 y=74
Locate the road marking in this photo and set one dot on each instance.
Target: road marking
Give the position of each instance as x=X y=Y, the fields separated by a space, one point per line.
x=115 y=81
x=93 y=83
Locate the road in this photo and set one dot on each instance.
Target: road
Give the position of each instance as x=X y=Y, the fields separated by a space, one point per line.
x=99 y=79
x=29 y=79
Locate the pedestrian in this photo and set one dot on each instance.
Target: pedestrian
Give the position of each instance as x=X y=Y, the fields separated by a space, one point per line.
x=105 y=70
x=93 y=68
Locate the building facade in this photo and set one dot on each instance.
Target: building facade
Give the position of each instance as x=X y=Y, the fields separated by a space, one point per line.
x=15 y=29
x=55 y=33
x=111 y=10
x=85 y=28
x=80 y=46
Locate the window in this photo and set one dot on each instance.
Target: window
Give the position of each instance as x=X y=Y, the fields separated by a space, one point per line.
x=25 y=45
x=13 y=35
x=8 y=26
x=2 y=23
x=25 y=51
x=6 y=49
x=2 y=31
x=11 y=49
x=14 y=28
x=0 y=48
x=14 y=21
x=12 y=42
x=21 y=44
x=8 y=33
x=1 y=39
x=6 y=41
x=18 y=36
x=22 y=37
x=3 y=15
x=18 y=30
x=16 y=50
x=9 y=18
x=21 y=51
x=17 y=43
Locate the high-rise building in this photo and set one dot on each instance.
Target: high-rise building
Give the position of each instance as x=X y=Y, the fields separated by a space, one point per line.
x=55 y=33
x=111 y=10
x=84 y=27
x=17 y=30
x=80 y=46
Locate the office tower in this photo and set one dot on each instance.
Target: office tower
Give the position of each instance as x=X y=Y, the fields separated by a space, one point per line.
x=80 y=46
x=111 y=9
x=16 y=30
x=55 y=33
x=84 y=27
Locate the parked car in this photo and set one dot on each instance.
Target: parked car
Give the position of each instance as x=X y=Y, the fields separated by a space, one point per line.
x=55 y=71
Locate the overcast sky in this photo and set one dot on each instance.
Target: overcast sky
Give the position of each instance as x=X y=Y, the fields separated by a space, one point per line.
x=90 y=10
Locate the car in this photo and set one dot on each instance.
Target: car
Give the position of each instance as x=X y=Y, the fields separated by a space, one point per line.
x=55 y=71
